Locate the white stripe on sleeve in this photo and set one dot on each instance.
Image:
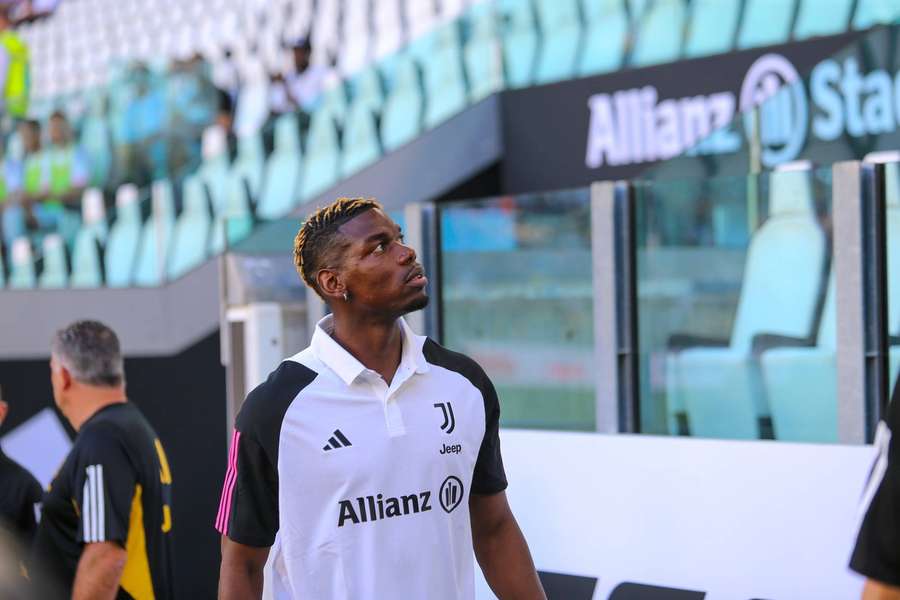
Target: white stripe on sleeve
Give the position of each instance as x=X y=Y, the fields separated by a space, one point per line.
x=86 y=508
x=101 y=505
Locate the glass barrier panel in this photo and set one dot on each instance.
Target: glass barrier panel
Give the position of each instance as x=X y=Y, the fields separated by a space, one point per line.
x=892 y=227
x=736 y=315
x=517 y=298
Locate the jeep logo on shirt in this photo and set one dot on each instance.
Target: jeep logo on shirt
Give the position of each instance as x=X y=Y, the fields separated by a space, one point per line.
x=375 y=508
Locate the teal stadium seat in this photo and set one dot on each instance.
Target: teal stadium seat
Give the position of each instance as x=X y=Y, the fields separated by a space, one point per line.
x=214 y=169
x=875 y=12
x=21 y=268
x=367 y=90
x=445 y=85
x=191 y=231
x=156 y=236
x=55 y=274
x=483 y=52
x=124 y=238
x=361 y=147
x=765 y=22
x=401 y=119
x=249 y=162
x=819 y=18
x=606 y=33
x=281 y=184
x=560 y=26
x=660 y=34
x=718 y=387
x=712 y=27
x=86 y=270
x=334 y=100
x=235 y=222
x=321 y=165
x=520 y=42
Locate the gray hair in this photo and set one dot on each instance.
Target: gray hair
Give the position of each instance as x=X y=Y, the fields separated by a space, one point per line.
x=90 y=351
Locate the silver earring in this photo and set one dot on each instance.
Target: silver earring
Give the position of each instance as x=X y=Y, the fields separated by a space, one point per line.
x=346 y=297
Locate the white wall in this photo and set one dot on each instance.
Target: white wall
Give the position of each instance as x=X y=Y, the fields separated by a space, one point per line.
x=738 y=520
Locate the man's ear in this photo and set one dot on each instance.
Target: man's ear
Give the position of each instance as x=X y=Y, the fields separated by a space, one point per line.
x=330 y=284
x=65 y=377
x=4 y=409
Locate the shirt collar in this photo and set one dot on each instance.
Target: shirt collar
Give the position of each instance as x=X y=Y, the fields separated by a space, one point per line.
x=347 y=367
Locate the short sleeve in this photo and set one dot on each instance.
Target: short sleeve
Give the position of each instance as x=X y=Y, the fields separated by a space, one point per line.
x=248 y=508
x=489 y=476
x=104 y=487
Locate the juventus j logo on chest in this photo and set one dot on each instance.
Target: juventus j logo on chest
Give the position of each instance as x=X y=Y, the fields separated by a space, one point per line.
x=449 y=423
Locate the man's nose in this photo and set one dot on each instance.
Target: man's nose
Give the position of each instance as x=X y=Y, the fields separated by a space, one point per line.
x=407 y=254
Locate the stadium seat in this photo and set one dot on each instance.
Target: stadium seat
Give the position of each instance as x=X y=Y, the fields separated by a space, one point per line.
x=520 y=42
x=560 y=26
x=95 y=140
x=55 y=274
x=801 y=383
x=321 y=164
x=86 y=269
x=253 y=100
x=813 y=19
x=214 y=169
x=156 y=236
x=248 y=164
x=235 y=222
x=660 y=34
x=361 y=147
x=124 y=238
x=93 y=213
x=21 y=268
x=420 y=17
x=606 y=32
x=281 y=183
x=401 y=119
x=445 y=85
x=334 y=100
x=718 y=387
x=765 y=22
x=874 y=12
x=483 y=53
x=366 y=89
x=192 y=230
x=712 y=27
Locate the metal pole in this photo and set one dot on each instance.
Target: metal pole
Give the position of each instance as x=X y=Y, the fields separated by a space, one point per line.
x=422 y=233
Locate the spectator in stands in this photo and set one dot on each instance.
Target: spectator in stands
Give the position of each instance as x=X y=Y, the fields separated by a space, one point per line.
x=12 y=212
x=194 y=104
x=141 y=147
x=66 y=169
x=19 y=212
x=13 y=68
x=301 y=87
x=20 y=496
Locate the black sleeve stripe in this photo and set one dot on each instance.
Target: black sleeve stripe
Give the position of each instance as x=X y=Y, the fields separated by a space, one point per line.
x=489 y=476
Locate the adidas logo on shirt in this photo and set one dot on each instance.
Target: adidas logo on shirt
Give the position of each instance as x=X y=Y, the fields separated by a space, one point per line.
x=338 y=440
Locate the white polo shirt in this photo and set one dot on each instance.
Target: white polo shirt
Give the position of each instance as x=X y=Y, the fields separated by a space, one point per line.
x=362 y=488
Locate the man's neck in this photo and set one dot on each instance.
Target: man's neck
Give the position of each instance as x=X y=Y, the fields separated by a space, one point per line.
x=92 y=401
x=376 y=343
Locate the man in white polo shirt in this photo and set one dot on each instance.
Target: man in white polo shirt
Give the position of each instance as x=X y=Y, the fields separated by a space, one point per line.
x=356 y=461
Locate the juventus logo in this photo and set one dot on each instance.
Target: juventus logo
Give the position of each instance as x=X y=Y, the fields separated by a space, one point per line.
x=449 y=423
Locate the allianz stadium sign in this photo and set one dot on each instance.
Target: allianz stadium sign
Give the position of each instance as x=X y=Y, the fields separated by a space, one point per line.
x=634 y=126
x=821 y=99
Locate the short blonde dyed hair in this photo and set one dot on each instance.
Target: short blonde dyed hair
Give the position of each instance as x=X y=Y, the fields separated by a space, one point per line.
x=315 y=242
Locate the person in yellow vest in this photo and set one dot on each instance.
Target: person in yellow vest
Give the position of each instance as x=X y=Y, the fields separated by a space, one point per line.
x=14 y=69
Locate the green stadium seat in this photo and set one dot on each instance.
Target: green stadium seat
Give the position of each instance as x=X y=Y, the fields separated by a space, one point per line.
x=606 y=33
x=361 y=147
x=235 y=222
x=520 y=42
x=401 y=119
x=334 y=100
x=765 y=22
x=321 y=164
x=367 y=90
x=875 y=12
x=249 y=162
x=86 y=270
x=156 y=236
x=214 y=169
x=21 y=268
x=712 y=27
x=281 y=183
x=191 y=231
x=55 y=274
x=483 y=52
x=445 y=85
x=660 y=34
x=819 y=18
x=124 y=238
x=560 y=25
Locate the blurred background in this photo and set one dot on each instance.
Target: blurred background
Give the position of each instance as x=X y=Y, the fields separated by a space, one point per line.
x=668 y=229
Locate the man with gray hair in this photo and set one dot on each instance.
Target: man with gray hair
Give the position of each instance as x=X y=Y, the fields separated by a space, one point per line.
x=106 y=524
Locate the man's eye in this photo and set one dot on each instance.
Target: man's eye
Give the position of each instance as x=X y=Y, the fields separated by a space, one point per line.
x=379 y=248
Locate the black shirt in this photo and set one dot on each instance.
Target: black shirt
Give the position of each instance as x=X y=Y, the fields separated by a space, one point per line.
x=20 y=497
x=877 y=552
x=114 y=486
